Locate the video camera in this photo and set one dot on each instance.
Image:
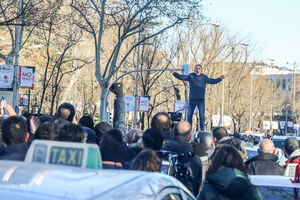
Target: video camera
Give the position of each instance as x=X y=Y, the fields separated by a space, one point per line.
x=175 y=116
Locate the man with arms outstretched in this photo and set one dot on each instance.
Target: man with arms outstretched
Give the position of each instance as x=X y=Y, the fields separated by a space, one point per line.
x=198 y=83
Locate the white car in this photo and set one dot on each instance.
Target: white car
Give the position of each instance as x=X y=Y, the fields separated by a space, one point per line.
x=276 y=187
x=36 y=181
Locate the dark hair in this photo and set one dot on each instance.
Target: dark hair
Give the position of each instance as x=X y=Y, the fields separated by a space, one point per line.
x=46 y=131
x=65 y=111
x=146 y=160
x=161 y=125
x=100 y=129
x=227 y=157
x=46 y=118
x=69 y=132
x=14 y=130
x=219 y=132
x=290 y=145
x=111 y=146
x=87 y=121
x=152 y=139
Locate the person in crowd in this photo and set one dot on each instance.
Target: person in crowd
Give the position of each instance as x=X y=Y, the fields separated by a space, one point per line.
x=291 y=152
x=86 y=121
x=146 y=160
x=100 y=129
x=152 y=139
x=221 y=138
x=198 y=82
x=46 y=131
x=180 y=144
x=227 y=178
x=162 y=122
x=68 y=132
x=87 y=124
x=112 y=149
x=14 y=132
x=220 y=135
x=201 y=146
x=65 y=111
x=265 y=162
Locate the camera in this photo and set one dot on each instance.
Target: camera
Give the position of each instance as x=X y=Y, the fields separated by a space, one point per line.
x=175 y=116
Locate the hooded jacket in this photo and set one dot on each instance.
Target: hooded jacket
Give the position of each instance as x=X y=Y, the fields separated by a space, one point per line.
x=228 y=183
x=264 y=164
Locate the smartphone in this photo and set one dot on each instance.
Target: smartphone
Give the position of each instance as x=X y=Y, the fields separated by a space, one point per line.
x=165 y=167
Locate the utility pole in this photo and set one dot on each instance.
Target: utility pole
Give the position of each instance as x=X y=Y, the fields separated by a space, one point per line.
x=17 y=51
x=137 y=83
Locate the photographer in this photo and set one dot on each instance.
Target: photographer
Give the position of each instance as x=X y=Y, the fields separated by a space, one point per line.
x=180 y=144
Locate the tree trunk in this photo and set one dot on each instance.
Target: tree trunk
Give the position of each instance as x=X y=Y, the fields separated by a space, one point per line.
x=103 y=102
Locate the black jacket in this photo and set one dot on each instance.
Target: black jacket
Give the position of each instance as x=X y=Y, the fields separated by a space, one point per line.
x=197 y=84
x=264 y=164
x=179 y=146
x=14 y=152
x=228 y=184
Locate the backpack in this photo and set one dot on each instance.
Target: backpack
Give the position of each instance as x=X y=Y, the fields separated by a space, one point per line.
x=178 y=165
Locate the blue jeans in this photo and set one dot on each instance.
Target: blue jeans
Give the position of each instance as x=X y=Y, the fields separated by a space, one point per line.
x=201 y=108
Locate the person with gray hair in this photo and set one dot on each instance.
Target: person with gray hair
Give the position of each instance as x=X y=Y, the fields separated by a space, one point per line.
x=265 y=162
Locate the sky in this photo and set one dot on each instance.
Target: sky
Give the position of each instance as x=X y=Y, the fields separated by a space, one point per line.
x=272 y=25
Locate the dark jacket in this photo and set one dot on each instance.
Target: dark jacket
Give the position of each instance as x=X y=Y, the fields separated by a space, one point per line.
x=197 y=84
x=228 y=183
x=264 y=164
x=14 y=152
x=179 y=146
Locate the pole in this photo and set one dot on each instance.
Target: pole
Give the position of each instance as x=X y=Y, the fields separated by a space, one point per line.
x=223 y=94
x=271 y=111
x=286 y=104
x=29 y=101
x=18 y=47
x=250 y=110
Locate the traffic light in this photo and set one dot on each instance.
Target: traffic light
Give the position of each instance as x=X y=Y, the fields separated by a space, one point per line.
x=109 y=117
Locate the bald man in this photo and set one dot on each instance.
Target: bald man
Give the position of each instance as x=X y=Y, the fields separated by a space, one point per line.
x=265 y=162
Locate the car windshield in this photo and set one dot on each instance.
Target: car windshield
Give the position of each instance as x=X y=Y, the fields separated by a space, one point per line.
x=251 y=153
x=278 y=143
x=277 y=193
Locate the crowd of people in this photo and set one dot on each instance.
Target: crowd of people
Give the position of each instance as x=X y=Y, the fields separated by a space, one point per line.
x=216 y=165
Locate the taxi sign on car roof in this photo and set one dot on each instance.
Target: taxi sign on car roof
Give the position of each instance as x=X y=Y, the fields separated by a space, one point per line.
x=65 y=153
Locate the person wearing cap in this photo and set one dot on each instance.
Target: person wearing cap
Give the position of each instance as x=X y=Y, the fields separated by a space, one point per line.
x=291 y=152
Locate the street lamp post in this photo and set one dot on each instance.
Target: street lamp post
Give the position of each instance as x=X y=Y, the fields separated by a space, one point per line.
x=137 y=83
x=286 y=104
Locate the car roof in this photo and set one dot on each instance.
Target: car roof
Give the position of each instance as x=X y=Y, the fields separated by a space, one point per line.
x=276 y=181
x=41 y=181
x=283 y=137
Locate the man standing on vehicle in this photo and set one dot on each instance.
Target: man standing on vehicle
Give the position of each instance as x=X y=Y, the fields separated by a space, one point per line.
x=198 y=82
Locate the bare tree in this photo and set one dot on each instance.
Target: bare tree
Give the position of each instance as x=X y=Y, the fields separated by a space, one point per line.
x=126 y=18
x=31 y=14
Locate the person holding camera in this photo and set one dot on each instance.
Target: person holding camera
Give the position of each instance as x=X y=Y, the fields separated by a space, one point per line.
x=180 y=145
x=198 y=82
